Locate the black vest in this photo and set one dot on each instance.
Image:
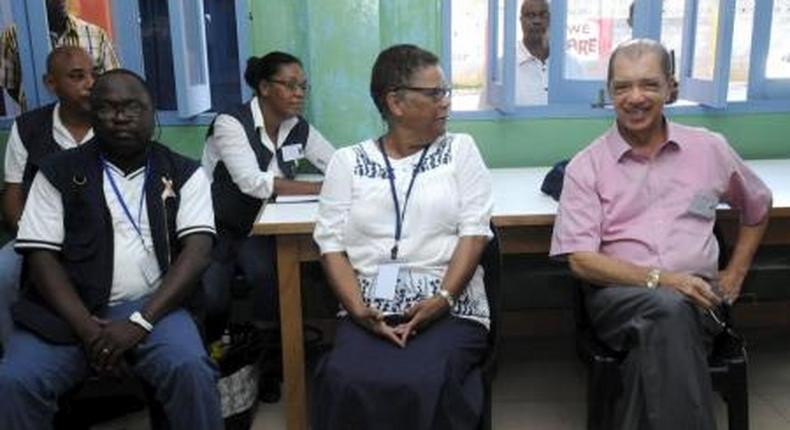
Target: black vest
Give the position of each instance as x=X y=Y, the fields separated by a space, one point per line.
x=87 y=249
x=235 y=211
x=35 y=132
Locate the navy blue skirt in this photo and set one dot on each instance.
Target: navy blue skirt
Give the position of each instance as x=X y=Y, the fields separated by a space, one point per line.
x=435 y=382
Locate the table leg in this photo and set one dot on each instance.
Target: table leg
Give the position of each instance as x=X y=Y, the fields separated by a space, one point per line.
x=291 y=330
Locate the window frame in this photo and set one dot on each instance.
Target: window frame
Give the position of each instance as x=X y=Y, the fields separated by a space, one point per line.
x=34 y=46
x=192 y=98
x=760 y=86
x=711 y=93
x=37 y=41
x=647 y=23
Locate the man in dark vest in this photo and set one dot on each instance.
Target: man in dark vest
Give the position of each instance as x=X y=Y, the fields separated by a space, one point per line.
x=34 y=135
x=115 y=235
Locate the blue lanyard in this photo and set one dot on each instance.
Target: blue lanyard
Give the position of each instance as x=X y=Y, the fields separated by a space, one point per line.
x=137 y=225
x=399 y=216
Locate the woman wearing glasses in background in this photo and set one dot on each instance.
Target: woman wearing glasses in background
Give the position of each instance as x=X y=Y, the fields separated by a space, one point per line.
x=251 y=155
x=403 y=221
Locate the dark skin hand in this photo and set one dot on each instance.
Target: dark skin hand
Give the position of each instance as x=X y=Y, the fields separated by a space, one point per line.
x=342 y=278
x=105 y=342
x=122 y=335
x=55 y=287
x=13 y=203
x=462 y=266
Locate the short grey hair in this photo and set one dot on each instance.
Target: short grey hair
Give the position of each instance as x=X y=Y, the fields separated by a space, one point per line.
x=636 y=48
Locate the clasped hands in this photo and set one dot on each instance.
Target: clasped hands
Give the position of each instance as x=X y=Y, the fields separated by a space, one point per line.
x=108 y=341
x=415 y=319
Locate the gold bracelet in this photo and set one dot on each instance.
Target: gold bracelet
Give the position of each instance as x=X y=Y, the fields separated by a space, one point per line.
x=653 y=276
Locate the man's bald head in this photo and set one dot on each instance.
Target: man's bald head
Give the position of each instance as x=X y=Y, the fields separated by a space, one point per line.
x=63 y=55
x=70 y=77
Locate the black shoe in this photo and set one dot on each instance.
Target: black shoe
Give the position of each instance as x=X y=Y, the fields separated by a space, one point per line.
x=269 y=389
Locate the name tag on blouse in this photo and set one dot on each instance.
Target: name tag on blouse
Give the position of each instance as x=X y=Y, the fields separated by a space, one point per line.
x=386 y=280
x=292 y=152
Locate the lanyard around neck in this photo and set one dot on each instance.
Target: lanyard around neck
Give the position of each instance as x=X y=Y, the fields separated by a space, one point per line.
x=119 y=196
x=399 y=216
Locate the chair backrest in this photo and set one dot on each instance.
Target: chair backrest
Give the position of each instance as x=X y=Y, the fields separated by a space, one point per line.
x=491 y=261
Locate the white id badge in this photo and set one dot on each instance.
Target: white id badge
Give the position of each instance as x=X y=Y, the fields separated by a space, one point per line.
x=704 y=205
x=386 y=280
x=292 y=152
x=150 y=268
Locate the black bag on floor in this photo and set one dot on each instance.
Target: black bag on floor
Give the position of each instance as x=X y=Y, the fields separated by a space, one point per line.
x=240 y=369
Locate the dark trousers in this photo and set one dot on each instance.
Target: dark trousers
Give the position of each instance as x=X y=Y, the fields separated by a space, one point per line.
x=255 y=257
x=666 y=384
x=434 y=383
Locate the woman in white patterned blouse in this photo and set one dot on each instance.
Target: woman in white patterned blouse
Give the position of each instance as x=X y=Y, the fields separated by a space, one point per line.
x=403 y=221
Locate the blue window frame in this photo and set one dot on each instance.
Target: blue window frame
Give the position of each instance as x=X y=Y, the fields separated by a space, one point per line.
x=574 y=97
x=705 y=69
x=761 y=86
x=210 y=38
x=33 y=46
x=501 y=39
x=190 y=52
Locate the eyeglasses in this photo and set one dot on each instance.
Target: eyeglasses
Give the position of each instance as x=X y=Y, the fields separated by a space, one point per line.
x=131 y=109
x=292 y=86
x=436 y=93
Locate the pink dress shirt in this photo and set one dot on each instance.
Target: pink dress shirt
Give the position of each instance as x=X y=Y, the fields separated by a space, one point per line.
x=659 y=211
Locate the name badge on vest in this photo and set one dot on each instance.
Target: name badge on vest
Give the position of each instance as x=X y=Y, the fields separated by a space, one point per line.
x=292 y=152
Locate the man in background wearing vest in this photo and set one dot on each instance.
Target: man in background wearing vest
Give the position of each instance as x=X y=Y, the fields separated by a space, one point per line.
x=115 y=235
x=34 y=135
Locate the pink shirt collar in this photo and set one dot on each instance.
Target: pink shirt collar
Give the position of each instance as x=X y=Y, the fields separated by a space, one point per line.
x=619 y=147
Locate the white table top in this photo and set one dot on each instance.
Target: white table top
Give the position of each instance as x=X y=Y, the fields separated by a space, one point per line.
x=517 y=195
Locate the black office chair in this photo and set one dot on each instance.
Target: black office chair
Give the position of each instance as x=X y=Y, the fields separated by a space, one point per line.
x=492 y=267
x=727 y=364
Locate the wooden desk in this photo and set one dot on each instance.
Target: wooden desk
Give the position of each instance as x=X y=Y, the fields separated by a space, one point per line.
x=524 y=219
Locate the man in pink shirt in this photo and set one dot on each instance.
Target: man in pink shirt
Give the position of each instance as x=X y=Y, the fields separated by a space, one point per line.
x=636 y=219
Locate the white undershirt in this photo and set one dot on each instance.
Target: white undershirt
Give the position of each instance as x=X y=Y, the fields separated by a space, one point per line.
x=16 y=154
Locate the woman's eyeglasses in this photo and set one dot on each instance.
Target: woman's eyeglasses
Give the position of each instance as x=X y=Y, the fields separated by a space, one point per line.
x=292 y=86
x=436 y=93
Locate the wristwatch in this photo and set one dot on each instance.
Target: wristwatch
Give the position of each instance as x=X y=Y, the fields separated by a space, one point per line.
x=138 y=319
x=652 y=279
x=447 y=296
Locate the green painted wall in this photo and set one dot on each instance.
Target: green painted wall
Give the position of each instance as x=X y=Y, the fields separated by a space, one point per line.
x=515 y=143
x=339 y=40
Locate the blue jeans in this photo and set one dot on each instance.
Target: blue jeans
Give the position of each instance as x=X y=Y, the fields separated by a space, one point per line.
x=34 y=373
x=10 y=268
